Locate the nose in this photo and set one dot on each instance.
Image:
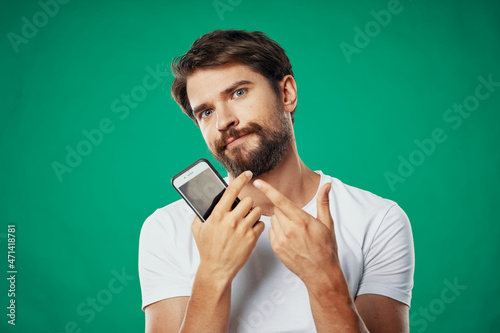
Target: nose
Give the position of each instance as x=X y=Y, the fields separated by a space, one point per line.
x=226 y=118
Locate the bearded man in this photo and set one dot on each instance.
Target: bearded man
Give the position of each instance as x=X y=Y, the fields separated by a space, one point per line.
x=334 y=258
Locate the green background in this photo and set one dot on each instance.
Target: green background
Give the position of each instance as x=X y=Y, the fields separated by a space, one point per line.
x=355 y=120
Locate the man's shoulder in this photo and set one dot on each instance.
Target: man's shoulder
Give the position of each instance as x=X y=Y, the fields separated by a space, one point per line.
x=175 y=209
x=354 y=196
x=362 y=209
x=366 y=216
x=174 y=216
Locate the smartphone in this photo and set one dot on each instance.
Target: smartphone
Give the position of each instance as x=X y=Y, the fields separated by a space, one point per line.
x=201 y=186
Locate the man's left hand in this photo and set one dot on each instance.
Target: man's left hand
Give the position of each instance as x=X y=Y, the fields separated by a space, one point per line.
x=306 y=245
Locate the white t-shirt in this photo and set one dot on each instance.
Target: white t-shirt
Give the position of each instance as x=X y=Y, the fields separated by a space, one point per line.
x=375 y=247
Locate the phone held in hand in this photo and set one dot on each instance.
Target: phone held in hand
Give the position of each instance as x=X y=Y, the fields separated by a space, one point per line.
x=201 y=186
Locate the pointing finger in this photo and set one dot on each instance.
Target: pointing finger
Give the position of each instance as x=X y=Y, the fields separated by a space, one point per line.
x=287 y=207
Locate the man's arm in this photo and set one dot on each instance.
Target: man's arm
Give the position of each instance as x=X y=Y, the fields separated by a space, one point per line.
x=331 y=303
x=308 y=247
x=383 y=314
x=225 y=242
x=371 y=313
x=207 y=310
x=166 y=315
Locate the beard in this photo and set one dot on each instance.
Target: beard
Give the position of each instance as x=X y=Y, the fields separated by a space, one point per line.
x=271 y=147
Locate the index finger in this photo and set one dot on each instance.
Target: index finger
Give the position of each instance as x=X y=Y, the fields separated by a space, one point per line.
x=234 y=189
x=285 y=205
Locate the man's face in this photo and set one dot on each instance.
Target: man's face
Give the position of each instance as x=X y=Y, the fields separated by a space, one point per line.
x=240 y=117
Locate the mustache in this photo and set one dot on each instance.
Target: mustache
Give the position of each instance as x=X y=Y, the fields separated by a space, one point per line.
x=232 y=132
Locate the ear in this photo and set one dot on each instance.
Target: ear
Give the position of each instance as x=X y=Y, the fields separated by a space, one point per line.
x=289 y=93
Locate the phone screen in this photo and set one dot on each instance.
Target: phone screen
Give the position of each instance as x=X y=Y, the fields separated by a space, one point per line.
x=203 y=192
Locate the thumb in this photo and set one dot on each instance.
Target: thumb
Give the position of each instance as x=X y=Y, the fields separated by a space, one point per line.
x=323 y=206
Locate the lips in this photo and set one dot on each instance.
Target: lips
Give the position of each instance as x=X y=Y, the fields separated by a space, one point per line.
x=229 y=137
x=231 y=140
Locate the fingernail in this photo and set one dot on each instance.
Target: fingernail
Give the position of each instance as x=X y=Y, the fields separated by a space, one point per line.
x=257 y=184
x=249 y=174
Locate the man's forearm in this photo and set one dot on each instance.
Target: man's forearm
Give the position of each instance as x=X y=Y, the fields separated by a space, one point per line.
x=209 y=306
x=332 y=306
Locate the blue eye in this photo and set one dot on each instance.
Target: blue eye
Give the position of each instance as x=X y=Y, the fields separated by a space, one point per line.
x=206 y=113
x=239 y=93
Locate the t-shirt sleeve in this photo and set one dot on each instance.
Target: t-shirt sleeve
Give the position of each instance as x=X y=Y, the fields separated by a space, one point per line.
x=160 y=271
x=390 y=259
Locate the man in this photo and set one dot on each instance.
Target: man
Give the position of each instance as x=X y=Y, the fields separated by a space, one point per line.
x=334 y=258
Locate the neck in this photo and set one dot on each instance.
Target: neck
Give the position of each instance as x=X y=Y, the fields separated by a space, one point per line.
x=291 y=177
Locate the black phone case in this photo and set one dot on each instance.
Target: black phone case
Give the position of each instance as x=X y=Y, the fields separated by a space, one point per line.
x=216 y=199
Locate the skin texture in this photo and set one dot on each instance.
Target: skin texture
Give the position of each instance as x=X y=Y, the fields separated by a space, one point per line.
x=306 y=245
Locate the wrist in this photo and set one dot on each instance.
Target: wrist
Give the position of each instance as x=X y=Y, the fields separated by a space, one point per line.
x=213 y=278
x=328 y=282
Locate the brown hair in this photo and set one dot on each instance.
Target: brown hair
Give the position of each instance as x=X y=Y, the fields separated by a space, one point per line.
x=220 y=47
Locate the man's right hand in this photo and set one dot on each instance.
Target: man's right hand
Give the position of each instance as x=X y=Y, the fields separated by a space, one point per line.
x=228 y=237
x=225 y=242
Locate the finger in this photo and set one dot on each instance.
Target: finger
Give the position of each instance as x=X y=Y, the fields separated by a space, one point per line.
x=234 y=189
x=281 y=218
x=279 y=200
x=323 y=206
x=243 y=207
x=258 y=228
x=274 y=232
x=272 y=235
x=276 y=224
x=253 y=216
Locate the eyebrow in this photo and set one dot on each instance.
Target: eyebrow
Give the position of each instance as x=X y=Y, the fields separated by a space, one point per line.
x=226 y=91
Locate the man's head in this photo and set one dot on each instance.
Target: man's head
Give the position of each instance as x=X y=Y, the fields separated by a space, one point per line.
x=221 y=47
x=243 y=106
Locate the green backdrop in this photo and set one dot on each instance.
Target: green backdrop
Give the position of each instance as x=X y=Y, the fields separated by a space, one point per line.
x=398 y=98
